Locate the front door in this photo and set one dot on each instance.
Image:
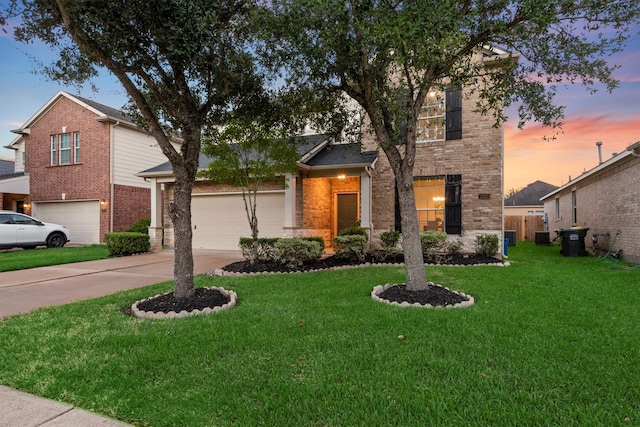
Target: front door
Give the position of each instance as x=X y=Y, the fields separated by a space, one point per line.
x=347 y=210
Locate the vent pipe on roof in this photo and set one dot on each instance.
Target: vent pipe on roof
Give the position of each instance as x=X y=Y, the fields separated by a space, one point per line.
x=599 y=144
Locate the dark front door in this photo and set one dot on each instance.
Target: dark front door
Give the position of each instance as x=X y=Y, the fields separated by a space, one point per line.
x=347 y=210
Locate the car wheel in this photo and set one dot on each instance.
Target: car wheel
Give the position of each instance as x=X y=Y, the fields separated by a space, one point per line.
x=56 y=240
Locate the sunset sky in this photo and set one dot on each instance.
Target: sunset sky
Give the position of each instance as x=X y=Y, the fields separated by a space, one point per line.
x=613 y=118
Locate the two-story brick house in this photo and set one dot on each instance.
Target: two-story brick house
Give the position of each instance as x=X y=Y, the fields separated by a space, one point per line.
x=80 y=158
x=458 y=185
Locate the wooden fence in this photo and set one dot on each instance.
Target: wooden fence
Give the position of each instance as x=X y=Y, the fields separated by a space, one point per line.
x=524 y=225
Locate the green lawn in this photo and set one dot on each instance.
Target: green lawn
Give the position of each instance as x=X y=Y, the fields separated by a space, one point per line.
x=551 y=341
x=23 y=259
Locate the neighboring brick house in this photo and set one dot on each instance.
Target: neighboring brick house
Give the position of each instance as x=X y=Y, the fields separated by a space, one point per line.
x=605 y=199
x=79 y=158
x=458 y=185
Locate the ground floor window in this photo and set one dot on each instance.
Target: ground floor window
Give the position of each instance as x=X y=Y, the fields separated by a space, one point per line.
x=439 y=203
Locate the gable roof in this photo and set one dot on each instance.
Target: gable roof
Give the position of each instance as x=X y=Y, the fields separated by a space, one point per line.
x=103 y=113
x=530 y=195
x=315 y=151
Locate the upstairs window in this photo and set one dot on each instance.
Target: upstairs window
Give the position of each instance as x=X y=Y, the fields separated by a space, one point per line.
x=76 y=147
x=62 y=152
x=440 y=117
x=431 y=122
x=54 y=150
x=65 y=149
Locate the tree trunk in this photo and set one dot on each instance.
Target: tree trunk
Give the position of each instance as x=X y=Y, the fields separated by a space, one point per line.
x=180 y=212
x=414 y=264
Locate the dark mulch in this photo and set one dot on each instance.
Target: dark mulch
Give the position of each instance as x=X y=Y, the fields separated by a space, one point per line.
x=337 y=261
x=433 y=295
x=202 y=299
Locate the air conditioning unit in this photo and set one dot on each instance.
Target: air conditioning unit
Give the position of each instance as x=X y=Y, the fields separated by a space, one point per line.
x=511 y=235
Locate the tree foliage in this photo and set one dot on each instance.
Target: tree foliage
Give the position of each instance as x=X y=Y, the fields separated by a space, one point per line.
x=184 y=65
x=248 y=153
x=387 y=55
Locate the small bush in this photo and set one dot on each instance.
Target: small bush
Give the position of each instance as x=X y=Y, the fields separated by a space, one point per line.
x=265 y=247
x=390 y=239
x=351 y=245
x=294 y=252
x=318 y=239
x=487 y=244
x=126 y=243
x=432 y=242
x=454 y=246
x=141 y=226
x=354 y=230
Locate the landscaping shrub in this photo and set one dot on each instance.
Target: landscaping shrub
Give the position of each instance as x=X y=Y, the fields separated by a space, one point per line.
x=142 y=226
x=432 y=242
x=487 y=244
x=390 y=239
x=351 y=245
x=126 y=243
x=354 y=230
x=294 y=252
x=265 y=247
x=453 y=246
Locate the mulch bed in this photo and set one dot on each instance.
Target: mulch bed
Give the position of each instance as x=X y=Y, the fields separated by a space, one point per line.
x=202 y=299
x=432 y=294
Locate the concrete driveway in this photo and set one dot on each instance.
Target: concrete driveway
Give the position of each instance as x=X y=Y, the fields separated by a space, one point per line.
x=27 y=290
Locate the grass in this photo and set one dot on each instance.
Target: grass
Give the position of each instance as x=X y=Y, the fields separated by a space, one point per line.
x=24 y=259
x=550 y=341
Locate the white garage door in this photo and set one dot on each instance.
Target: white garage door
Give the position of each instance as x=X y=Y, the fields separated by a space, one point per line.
x=81 y=218
x=219 y=221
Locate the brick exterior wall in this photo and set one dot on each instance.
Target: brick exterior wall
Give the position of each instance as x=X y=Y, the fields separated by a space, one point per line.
x=84 y=181
x=478 y=157
x=606 y=201
x=132 y=205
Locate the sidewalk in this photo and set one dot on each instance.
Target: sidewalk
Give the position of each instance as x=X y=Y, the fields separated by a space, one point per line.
x=27 y=290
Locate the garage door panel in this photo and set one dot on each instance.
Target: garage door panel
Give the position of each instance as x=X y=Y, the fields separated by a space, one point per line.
x=219 y=221
x=82 y=218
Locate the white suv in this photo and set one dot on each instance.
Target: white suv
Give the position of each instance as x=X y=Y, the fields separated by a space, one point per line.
x=22 y=231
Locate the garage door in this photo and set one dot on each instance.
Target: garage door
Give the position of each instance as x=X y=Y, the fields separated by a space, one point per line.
x=219 y=221
x=81 y=218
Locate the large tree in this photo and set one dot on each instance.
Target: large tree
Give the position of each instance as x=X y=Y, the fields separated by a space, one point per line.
x=387 y=55
x=184 y=65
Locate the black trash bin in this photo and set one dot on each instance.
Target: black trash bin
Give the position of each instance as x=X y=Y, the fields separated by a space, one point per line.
x=573 y=241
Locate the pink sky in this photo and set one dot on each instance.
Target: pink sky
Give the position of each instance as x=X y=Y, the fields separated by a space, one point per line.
x=528 y=157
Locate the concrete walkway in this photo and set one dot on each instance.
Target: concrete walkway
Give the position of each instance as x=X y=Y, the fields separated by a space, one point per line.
x=27 y=290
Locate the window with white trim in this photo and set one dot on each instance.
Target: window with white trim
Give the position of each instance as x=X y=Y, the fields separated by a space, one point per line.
x=440 y=117
x=429 y=194
x=62 y=151
x=65 y=148
x=54 y=150
x=431 y=122
x=76 y=147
